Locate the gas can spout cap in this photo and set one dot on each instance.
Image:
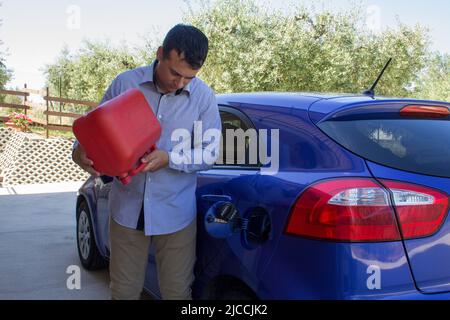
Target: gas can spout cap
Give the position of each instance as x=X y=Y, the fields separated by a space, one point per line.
x=125 y=180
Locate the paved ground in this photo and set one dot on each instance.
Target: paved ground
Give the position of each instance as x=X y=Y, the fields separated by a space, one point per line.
x=38 y=244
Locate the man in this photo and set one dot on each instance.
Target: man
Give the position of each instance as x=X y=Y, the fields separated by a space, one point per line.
x=159 y=205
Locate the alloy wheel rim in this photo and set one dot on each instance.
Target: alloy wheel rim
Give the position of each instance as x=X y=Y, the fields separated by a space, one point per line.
x=84 y=234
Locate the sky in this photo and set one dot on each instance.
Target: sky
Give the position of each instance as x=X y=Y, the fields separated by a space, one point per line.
x=34 y=32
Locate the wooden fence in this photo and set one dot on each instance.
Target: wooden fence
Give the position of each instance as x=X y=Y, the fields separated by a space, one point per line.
x=49 y=100
x=23 y=106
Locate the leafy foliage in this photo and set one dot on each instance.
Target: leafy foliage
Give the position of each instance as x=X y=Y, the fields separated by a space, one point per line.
x=435 y=81
x=253 y=48
x=87 y=74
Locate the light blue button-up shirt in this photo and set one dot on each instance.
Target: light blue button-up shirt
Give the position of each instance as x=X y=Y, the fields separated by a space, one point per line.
x=168 y=195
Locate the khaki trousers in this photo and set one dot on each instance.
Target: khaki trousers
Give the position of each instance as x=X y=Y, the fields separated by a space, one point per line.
x=175 y=259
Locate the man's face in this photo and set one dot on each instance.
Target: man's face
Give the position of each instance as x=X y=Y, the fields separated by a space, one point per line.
x=173 y=73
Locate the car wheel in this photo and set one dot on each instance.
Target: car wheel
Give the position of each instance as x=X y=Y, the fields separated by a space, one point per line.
x=89 y=255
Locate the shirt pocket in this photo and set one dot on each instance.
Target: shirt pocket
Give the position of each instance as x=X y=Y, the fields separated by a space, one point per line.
x=175 y=129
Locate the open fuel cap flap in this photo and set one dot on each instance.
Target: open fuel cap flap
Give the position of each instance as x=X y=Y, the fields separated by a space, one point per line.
x=222 y=219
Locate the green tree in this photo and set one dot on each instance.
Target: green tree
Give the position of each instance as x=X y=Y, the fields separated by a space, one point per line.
x=86 y=74
x=5 y=73
x=435 y=81
x=256 y=49
x=253 y=48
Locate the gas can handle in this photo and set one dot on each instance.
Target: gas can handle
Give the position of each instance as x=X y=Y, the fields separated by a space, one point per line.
x=127 y=179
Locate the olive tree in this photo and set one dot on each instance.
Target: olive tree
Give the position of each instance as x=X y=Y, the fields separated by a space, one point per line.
x=258 y=49
x=435 y=81
x=86 y=74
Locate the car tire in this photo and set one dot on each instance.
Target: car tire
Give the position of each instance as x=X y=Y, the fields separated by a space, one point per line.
x=89 y=255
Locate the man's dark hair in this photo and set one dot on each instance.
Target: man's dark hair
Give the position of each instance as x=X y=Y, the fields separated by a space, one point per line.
x=188 y=40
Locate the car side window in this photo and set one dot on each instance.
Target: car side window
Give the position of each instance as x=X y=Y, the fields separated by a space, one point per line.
x=236 y=141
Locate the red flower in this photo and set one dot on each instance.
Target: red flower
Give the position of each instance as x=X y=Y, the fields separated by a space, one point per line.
x=20 y=120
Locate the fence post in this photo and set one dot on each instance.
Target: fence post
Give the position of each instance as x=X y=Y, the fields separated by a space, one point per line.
x=25 y=99
x=46 y=116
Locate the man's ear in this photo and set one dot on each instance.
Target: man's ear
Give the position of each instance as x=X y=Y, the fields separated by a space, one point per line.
x=160 y=54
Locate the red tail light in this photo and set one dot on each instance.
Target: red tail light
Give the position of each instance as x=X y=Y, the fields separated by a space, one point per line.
x=425 y=111
x=420 y=210
x=344 y=210
x=360 y=210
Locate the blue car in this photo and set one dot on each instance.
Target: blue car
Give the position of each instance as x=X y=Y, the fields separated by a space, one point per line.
x=355 y=207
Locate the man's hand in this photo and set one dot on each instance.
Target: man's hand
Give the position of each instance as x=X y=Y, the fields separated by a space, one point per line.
x=80 y=158
x=156 y=160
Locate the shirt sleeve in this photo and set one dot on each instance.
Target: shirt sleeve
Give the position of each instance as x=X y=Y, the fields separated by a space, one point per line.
x=207 y=151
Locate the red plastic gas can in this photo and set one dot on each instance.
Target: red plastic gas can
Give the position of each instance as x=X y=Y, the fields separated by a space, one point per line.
x=118 y=133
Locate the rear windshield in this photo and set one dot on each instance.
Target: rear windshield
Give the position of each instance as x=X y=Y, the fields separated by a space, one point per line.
x=419 y=146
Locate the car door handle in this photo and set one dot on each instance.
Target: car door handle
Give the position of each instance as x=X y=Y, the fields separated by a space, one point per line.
x=216 y=198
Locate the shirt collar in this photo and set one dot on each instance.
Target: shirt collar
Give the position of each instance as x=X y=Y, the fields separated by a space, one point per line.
x=149 y=75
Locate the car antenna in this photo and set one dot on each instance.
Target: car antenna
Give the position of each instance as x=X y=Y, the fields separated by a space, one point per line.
x=371 y=91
